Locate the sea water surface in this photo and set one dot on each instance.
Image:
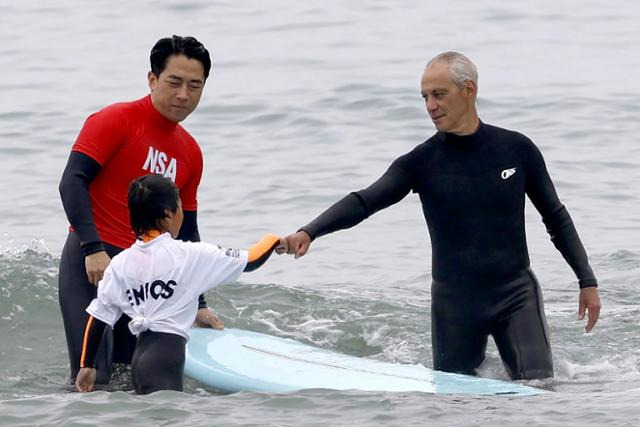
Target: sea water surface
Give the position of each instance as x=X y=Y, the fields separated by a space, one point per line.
x=306 y=102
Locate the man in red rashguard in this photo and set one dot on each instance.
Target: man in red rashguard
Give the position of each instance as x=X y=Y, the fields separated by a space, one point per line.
x=117 y=144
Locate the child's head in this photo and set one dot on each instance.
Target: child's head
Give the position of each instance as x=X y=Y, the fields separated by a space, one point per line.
x=154 y=204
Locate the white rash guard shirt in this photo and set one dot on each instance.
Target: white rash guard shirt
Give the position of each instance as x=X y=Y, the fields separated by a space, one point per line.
x=157 y=283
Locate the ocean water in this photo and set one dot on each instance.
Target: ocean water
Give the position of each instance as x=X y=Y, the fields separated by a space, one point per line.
x=306 y=102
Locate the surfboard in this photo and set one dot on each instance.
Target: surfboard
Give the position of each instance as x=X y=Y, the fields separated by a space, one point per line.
x=234 y=360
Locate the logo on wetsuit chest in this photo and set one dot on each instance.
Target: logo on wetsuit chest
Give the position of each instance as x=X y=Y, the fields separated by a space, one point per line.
x=157 y=289
x=158 y=162
x=507 y=173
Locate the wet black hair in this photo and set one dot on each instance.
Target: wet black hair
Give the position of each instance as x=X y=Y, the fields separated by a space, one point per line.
x=177 y=45
x=150 y=198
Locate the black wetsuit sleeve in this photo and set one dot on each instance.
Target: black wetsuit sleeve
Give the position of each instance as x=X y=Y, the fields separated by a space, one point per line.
x=355 y=207
x=189 y=233
x=91 y=341
x=556 y=218
x=261 y=251
x=189 y=229
x=74 y=192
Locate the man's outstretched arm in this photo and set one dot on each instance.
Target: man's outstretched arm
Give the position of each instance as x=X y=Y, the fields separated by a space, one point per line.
x=352 y=209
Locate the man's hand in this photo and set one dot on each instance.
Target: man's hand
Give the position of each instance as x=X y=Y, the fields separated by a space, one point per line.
x=86 y=379
x=95 y=265
x=205 y=318
x=298 y=243
x=589 y=300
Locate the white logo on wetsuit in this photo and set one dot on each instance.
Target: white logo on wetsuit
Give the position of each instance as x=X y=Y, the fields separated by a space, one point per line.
x=506 y=174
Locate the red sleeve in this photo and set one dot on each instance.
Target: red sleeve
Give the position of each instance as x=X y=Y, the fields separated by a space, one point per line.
x=102 y=134
x=188 y=193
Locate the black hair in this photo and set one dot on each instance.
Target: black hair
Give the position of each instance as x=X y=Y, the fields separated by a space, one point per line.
x=151 y=197
x=177 y=45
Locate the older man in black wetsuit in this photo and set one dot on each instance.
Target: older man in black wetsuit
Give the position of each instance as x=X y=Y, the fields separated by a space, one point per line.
x=472 y=179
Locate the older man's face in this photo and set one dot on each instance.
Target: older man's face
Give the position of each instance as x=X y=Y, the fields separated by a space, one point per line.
x=451 y=108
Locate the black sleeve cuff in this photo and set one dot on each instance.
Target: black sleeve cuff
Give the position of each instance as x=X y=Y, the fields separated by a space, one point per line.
x=306 y=230
x=92 y=248
x=588 y=283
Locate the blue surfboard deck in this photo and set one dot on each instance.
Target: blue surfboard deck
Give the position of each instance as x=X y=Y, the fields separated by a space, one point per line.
x=235 y=360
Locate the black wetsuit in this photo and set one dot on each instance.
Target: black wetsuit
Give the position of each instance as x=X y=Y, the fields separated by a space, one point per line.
x=74 y=290
x=157 y=361
x=472 y=190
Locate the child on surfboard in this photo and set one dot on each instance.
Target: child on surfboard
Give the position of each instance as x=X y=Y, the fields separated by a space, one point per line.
x=156 y=282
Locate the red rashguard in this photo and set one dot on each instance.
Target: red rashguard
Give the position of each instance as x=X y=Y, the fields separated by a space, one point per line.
x=129 y=140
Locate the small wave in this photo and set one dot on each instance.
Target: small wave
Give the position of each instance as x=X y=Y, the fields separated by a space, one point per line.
x=359 y=325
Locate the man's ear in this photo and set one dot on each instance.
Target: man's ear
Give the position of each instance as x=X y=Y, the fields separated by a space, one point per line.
x=471 y=88
x=153 y=80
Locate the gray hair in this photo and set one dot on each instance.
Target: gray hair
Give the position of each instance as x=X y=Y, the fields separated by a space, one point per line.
x=460 y=67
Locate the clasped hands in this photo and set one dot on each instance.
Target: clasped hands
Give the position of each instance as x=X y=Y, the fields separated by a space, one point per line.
x=296 y=244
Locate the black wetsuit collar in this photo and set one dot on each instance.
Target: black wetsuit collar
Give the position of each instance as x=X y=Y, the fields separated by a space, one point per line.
x=464 y=140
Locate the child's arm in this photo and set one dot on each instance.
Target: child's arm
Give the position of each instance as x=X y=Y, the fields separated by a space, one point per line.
x=86 y=379
x=261 y=251
x=214 y=265
x=101 y=312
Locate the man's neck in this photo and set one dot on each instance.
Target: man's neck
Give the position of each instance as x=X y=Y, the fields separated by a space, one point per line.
x=470 y=126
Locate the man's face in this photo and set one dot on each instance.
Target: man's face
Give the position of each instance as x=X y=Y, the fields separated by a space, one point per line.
x=451 y=109
x=175 y=93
